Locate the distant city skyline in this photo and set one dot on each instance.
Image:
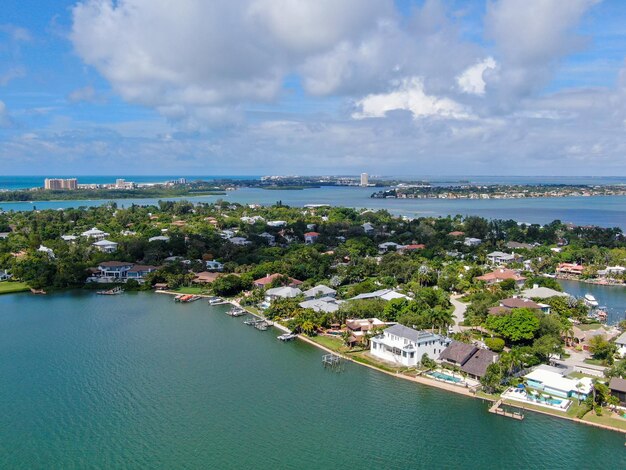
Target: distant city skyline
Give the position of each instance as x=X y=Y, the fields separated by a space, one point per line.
x=325 y=87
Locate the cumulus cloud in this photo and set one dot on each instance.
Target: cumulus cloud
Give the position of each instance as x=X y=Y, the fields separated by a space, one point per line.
x=531 y=38
x=409 y=95
x=472 y=80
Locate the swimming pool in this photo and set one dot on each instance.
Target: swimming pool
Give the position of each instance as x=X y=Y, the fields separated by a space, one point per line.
x=442 y=376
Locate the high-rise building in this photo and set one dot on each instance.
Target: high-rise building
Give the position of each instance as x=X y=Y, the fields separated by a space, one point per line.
x=60 y=183
x=364 y=179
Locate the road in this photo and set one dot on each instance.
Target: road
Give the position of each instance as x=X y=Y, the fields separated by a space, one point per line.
x=459 y=313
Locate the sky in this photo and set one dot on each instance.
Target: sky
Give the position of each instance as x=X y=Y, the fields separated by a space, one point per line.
x=313 y=87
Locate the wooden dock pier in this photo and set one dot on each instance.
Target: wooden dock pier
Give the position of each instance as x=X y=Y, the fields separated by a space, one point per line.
x=497 y=409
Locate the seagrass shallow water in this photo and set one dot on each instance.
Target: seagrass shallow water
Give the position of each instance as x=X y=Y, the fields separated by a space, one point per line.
x=136 y=381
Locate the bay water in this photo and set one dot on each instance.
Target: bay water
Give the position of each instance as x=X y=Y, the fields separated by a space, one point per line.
x=138 y=381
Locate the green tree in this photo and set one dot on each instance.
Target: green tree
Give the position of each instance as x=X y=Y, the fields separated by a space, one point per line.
x=519 y=325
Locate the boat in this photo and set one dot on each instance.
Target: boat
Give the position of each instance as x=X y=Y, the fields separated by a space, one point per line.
x=236 y=312
x=590 y=300
x=114 y=291
x=287 y=336
x=186 y=298
x=215 y=301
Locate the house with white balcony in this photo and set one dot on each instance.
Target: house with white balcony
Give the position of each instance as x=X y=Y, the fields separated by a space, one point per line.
x=119 y=272
x=499 y=257
x=95 y=234
x=405 y=346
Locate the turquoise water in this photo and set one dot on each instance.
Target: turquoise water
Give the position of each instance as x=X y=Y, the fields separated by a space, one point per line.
x=611 y=297
x=447 y=377
x=605 y=211
x=137 y=381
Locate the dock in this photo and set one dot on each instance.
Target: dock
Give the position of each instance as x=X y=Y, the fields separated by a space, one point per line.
x=497 y=409
x=259 y=324
x=236 y=312
x=332 y=361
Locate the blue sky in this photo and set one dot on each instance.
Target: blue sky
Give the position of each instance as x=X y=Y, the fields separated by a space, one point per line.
x=299 y=87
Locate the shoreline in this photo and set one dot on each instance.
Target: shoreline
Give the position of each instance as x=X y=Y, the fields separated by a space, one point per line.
x=418 y=379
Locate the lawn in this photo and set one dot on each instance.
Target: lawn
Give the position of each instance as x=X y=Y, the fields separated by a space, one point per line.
x=608 y=419
x=589 y=326
x=9 y=287
x=334 y=344
x=594 y=362
x=192 y=290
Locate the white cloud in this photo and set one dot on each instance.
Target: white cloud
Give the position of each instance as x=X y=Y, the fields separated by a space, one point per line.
x=409 y=95
x=87 y=94
x=5 y=120
x=530 y=38
x=471 y=80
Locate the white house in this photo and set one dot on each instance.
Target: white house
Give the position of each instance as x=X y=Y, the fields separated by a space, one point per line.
x=368 y=228
x=69 y=238
x=285 y=292
x=159 y=238
x=252 y=220
x=322 y=304
x=46 y=250
x=551 y=380
x=119 y=271
x=95 y=234
x=469 y=241
x=498 y=257
x=105 y=246
x=228 y=234
x=387 y=246
x=276 y=223
x=620 y=342
x=319 y=291
x=4 y=275
x=385 y=294
x=405 y=346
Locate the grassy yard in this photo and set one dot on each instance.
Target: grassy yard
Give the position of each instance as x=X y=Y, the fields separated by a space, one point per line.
x=192 y=290
x=9 y=287
x=608 y=419
x=334 y=344
x=594 y=362
x=589 y=326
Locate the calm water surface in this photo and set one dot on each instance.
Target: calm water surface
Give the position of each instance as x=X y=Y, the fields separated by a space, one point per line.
x=611 y=297
x=605 y=211
x=136 y=381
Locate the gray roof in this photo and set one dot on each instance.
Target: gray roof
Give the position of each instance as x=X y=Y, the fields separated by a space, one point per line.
x=617 y=384
x=542 y=293
x=479 y=361
x=324 y=304
x=411 y=334
x=319 y=290
x=621 y=339
x=457 y=352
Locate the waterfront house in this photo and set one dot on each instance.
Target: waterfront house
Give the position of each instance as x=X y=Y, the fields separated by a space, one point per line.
x=500 y=275
x=498 y=257
x=4 y=275
x=111 y=271
x=551 y=380
x=284 y=292
x=612 y=271
x=570 y=268
x=542 y=293
x=620 y=342
x=319 y=291
x=139 y=271
x=205 y=277
x=311 y=237
x=617 y=386
x=468 y=358
x=46 y=250
x=322 y=304
x=268 y=279
x=105 y=246
x=95 y=234
x=359 y=328
x=405 y=346
x=384 y=294
x=213 y=265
